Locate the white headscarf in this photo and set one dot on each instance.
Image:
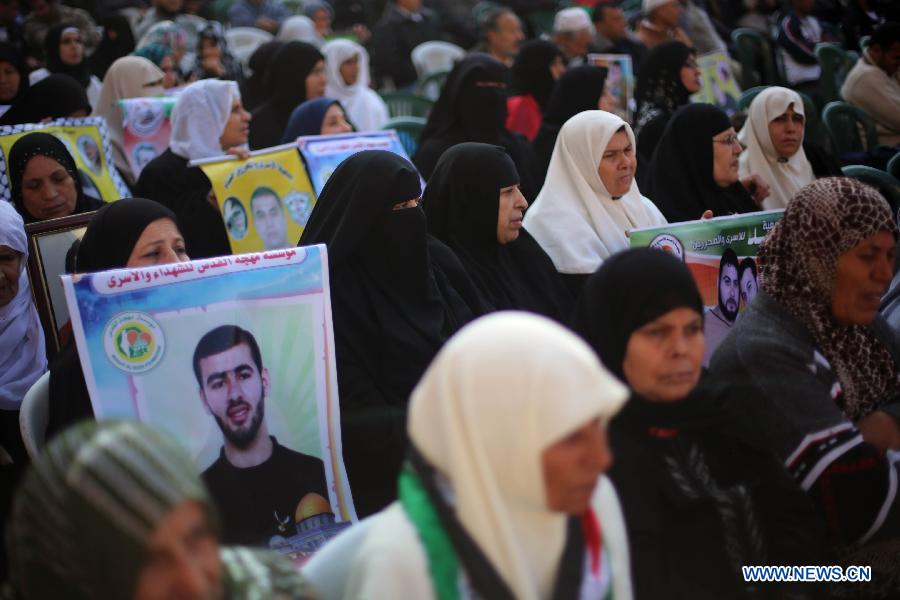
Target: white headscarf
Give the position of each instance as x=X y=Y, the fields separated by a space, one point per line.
x=574 y=218
x=199 y=118
x=300 y=29
x=127 y=77
x=23 y=358
x=365 y=109
x=784 y=178
x=498 y=394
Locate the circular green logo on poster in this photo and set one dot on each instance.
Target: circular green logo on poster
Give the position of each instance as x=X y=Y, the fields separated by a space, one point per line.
x=133 y=341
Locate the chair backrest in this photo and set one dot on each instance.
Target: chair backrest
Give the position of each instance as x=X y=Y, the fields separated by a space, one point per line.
x=893 y=166
x=239 y=37
x=34 y=414
x=888 y=185
x=328 y=568
x=851 y=129
x=408 y=131
x=431 y=85
x=404 y=104
x=755 y=55
x=429 y=57
x=836 y=63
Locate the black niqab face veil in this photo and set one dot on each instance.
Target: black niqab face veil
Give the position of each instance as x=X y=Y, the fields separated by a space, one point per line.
x=629 y=290
x=472 y=103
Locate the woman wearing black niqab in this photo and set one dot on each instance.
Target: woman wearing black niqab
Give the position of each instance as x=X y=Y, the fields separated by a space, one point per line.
x=471 y=184
x=108 y=243
x=702 y=495
x=681 y=179
x=472 y=108
x=579 y=89
x=397 y=294
x=286 y=89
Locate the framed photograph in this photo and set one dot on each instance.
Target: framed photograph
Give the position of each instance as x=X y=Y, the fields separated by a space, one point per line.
x=49 y=243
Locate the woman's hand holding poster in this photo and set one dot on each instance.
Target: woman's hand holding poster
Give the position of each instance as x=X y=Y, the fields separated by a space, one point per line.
x=265 y=199
x=721 y=254
x=234 y=357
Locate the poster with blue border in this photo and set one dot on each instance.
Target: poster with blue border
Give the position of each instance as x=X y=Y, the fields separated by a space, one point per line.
x=323 y=153
x=234 y=357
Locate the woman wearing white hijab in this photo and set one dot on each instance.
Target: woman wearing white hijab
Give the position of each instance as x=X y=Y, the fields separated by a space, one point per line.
x=503 y=495
x=208 y=120
x=22 y=355
x=347 y=70
x=773 y=137
x=590 y=198
x=128 y=77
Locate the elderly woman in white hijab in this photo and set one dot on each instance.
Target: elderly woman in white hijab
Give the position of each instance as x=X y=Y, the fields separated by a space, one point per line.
x=590 y=198
x=128 y=77
x=300 y=28
x=347 y=70
x=503 y=496
x=773 y=138
x=22 y=354
x=208 y=120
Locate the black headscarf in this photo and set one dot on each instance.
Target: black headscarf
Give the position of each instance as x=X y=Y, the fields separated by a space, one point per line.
x=629 y=290
x=579 y=89
x=285 y=85
x=397 y=294
x=43 y=144
x=80 y=72
x=114 y=230
x=117 y=41
x=107 y=244
x=469 y=112
x=462 y=203
x=531 y=70
x=681 y=180
x=659 y=89
x=253 y=91
x=659 y=94
x=9 y=54
x=56 y=96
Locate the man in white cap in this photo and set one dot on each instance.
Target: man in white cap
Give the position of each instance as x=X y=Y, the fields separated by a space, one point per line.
x=660 y=23
x=573 y=32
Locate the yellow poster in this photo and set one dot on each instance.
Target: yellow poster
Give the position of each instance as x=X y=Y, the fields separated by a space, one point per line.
x=87 y=142
x=719 y=85
x=265 y=200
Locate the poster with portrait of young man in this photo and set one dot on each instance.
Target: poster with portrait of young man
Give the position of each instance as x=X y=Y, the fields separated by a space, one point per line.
x=234 y=357
x=721 y=255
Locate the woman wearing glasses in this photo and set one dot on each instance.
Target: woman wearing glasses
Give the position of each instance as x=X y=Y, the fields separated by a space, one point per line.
x=695 y=168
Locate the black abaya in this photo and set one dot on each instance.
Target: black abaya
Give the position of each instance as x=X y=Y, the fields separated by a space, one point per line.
x=285 y=84
x=169 y=180
x=462 y=204
x=397 y=294
x=680 y=177
x=579 y=89
x=472 y=108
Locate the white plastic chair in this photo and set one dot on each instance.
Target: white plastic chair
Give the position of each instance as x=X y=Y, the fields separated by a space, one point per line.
x=429 y=57
x=327 y=569
x=243 y=42
x=34 y=414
